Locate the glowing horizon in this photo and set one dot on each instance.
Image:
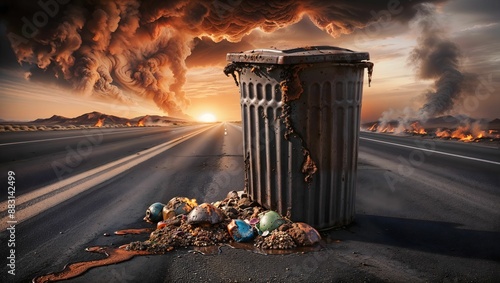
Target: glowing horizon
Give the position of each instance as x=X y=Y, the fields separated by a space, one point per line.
x=202 y=85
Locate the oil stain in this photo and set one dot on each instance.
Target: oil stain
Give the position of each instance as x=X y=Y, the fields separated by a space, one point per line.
x=120 y=254
x=113 y=255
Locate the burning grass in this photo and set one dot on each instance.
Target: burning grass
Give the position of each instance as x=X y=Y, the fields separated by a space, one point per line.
x=467 y=132
x=100 y=122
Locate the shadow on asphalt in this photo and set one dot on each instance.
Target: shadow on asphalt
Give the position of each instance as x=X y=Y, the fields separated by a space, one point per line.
x=427 y=236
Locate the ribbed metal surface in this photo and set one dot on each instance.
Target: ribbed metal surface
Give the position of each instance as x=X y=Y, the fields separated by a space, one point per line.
x=325 y=121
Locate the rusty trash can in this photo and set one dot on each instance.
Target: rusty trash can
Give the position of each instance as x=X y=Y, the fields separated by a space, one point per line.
x=301 y=116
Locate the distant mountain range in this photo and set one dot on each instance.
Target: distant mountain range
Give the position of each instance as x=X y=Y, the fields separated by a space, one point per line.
x=93 y=117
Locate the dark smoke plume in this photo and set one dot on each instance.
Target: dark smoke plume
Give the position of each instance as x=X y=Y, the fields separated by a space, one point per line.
x=438 y=58
x=106 y=47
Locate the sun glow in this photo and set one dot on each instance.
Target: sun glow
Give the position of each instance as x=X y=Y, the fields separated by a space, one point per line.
x=207 y=118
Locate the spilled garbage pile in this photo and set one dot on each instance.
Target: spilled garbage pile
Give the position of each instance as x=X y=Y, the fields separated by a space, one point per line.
x=182 y=222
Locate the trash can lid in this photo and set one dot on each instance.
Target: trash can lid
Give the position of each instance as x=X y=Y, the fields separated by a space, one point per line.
x=308 y=54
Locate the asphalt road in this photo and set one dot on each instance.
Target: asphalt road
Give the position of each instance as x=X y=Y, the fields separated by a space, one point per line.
x=467 y=170
x=42 y=158
x=436 y=218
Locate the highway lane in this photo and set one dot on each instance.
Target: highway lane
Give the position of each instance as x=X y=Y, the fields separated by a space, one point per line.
x=475 y=165
x=423 y=205
x=42 y=158
x=486 y=152
x=429 y=226
x=205 y=167
x=455 y=172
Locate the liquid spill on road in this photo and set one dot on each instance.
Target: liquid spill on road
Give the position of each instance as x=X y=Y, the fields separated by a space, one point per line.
x=120 y=254
x=134 y=231
x=113 y=255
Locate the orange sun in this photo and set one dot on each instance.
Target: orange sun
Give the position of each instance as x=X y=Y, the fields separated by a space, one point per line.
x=207 y=118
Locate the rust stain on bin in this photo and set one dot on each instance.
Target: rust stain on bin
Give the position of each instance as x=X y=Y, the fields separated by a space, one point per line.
x=300 y=113
x=309 y=167
x=291 y=89
x=290 y=86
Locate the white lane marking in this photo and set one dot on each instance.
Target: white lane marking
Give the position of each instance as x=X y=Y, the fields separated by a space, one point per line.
x=44 y=199
x=434 y=151
x=61 y=138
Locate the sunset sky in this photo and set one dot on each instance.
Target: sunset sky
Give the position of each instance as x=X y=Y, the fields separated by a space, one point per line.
x=132 y=58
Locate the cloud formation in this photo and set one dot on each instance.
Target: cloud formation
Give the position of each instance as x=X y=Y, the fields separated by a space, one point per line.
x=106 y=47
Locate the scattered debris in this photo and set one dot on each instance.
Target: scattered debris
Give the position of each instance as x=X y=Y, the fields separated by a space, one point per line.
x=206 y=227
x=240 y=230
x=165 y=239
x=269 y=221
x=303 y=234
x=154 y=213
x=205 y=214
x=175 y=207
x=276 y=240
x=180 y=205
x=236 y=218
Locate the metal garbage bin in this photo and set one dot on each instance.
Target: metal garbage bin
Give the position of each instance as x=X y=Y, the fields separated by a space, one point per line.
x=301 y=114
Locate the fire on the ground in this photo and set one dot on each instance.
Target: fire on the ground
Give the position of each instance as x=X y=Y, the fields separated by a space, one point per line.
x=469 y=132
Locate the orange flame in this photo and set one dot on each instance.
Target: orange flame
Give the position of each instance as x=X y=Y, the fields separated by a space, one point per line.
x=470 y=132
x=443 y=133
x=100 y=122
x=377 y=128
x=373 y=128
x=388 y=129
x=416 y=128
x=142 y=121
x=128 y=124
x=467 y=138
x=467 y=133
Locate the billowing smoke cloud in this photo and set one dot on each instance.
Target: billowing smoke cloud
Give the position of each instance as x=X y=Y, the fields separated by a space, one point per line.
x=106 y=47
x=438 y=58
